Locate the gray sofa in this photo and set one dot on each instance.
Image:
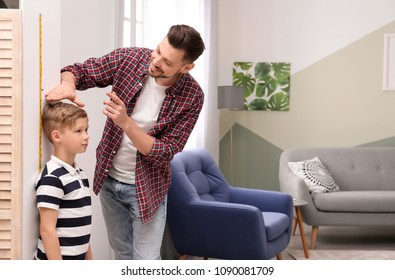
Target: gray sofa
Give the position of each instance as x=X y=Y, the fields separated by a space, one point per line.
x=366 y=179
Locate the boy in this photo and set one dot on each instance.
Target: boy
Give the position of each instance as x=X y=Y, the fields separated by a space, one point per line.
x=62 y=188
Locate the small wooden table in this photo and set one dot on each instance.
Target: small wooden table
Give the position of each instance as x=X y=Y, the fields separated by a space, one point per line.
x=298 y=221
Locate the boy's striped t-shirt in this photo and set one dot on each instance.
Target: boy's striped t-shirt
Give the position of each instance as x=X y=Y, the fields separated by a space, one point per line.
x=66 y=189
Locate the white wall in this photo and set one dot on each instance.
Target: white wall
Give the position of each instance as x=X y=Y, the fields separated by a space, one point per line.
x=50 y=11
x=301 y=32
x=73 y=31
x=87 y=30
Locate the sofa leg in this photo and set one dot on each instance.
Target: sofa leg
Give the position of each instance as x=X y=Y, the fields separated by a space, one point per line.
x=279 y=256
x=314 y=233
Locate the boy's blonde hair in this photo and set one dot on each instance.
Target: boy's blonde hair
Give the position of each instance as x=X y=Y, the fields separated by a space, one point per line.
x=60 y=115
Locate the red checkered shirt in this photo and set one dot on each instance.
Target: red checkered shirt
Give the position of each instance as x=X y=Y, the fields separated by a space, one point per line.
x=126 y=70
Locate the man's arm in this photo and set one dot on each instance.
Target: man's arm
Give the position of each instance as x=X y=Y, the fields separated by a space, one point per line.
x=65 y=90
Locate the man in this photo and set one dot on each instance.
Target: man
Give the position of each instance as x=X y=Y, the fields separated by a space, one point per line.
x=152 y=109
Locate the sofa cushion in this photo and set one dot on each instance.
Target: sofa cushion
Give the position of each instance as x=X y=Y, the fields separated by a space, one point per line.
x=316 y=176
x=356 y=201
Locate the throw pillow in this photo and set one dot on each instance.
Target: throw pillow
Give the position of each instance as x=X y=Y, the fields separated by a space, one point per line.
x=316 y=176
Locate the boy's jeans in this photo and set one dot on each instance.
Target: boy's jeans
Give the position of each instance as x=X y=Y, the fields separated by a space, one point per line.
x=128 y=236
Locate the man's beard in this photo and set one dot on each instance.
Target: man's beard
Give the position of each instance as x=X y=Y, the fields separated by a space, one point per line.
x=162 y=76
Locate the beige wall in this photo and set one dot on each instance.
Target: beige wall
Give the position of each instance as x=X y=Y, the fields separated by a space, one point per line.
x=337 y=101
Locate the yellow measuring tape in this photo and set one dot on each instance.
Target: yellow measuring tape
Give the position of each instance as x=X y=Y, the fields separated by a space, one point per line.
x=40 y=148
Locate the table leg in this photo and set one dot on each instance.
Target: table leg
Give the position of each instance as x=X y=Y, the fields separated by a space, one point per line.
x=294 y=226
x=300 y=222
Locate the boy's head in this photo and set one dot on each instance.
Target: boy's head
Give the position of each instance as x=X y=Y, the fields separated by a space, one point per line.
x=60 y=115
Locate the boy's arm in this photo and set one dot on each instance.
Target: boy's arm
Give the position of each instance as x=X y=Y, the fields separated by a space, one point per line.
x=89 y=255
x=48 y=219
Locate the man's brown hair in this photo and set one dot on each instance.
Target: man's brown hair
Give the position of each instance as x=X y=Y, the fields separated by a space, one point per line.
x=60 y=115
x=187 y=39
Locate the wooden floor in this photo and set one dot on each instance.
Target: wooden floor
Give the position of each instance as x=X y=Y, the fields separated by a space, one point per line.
x=346 y=238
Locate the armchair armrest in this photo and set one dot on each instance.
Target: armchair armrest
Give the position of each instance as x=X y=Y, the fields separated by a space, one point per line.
x=266 y=201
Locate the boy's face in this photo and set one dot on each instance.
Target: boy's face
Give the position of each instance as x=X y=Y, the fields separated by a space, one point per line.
x=74 y=140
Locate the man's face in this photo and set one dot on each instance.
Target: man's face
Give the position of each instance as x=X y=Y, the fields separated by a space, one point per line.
x=166 y=61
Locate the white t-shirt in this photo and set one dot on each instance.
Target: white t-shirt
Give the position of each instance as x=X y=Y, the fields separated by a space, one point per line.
x=145 y=114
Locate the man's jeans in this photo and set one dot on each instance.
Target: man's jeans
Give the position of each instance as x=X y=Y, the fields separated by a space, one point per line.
x=128 y=236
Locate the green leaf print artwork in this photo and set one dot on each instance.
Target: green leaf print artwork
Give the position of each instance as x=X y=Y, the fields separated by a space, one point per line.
x=266 y=84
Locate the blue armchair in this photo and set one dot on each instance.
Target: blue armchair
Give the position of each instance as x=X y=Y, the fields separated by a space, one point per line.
x=209 y=218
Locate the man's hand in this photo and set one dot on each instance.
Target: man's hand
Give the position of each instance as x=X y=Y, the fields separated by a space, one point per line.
x=66 y=90
x=115 y=109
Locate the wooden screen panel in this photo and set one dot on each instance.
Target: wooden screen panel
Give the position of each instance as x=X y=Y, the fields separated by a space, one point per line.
x=10 y=134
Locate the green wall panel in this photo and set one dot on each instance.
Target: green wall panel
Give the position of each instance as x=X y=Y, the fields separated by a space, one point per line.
x=255 y=160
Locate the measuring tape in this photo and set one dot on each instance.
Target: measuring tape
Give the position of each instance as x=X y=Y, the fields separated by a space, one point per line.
x=40 y=148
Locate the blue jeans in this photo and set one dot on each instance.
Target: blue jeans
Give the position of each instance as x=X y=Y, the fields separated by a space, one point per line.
x=128 y=236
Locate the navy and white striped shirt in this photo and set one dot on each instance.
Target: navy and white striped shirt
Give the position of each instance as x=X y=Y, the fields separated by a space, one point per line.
x=66 y=189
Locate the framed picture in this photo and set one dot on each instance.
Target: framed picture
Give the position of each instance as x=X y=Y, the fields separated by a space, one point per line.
x=266 y=85
x=389 y=62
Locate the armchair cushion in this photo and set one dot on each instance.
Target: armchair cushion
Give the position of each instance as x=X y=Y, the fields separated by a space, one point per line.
x=275 y=224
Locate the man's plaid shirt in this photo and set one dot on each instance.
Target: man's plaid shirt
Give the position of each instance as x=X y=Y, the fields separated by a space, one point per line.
x=126 y=70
